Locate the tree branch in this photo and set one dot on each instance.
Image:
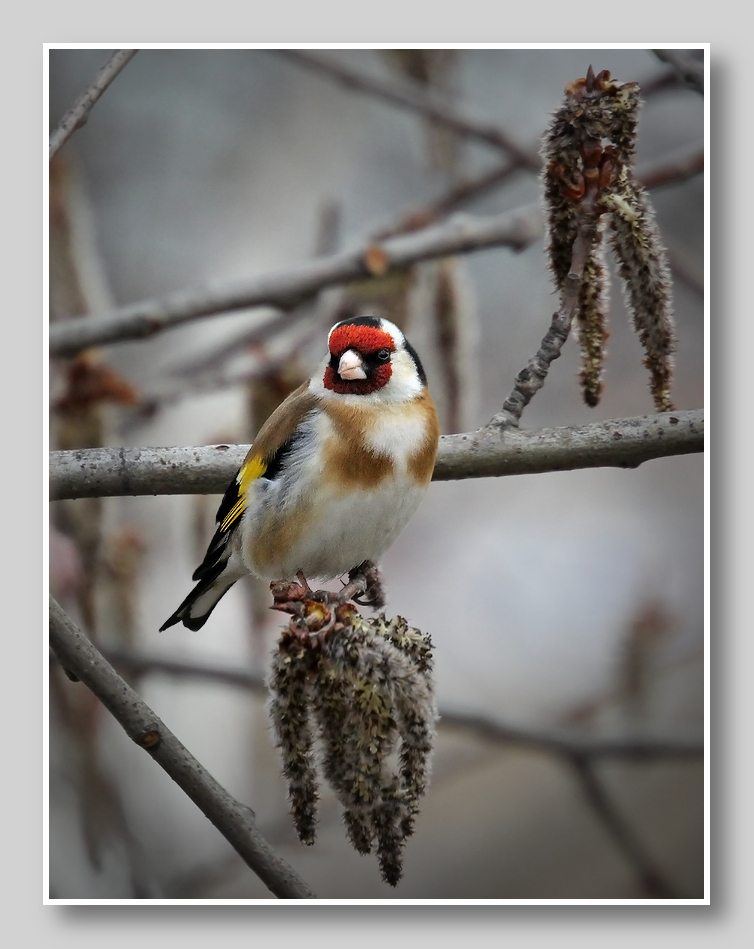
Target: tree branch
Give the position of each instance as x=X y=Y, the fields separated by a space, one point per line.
x=138 y=663
x=415 y=101
x=673 y=169
x=462 y=234
x=78 y=114
x=670 y=169
x=234 y=820
x=637 y=749
x=689 y=69
x=621 y=833
x=487 y=453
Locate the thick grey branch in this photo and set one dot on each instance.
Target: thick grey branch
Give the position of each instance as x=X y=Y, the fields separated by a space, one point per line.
x=234 y=820
x=78 y=114
x=460 y=235
x=490 y=452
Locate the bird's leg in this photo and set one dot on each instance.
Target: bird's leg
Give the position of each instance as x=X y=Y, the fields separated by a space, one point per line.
x=309 y=594
x=372 y=593
x=294 y=591
x=364 y=587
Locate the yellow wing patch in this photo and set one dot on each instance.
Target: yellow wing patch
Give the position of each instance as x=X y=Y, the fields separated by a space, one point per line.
x=251 y=469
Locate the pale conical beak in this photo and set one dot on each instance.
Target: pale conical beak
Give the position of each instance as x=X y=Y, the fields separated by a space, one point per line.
x=351 y=366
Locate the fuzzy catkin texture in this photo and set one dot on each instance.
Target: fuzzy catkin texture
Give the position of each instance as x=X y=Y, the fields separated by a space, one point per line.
x=290 y=715
x=647 y=284
x=588 y=152
x=606 y=112
x=591 y=322
x=366 y=686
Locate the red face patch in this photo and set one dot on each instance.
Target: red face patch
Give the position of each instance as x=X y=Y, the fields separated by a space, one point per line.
x=364 y=339
x=376 y=380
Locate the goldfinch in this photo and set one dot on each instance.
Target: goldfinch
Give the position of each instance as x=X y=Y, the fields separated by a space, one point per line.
x=334 y=474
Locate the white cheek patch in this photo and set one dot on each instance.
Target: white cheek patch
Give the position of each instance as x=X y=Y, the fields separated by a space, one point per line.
x=404 y=384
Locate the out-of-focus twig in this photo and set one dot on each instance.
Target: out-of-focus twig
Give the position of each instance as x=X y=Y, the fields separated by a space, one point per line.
x=689 y=69
x=635 y=749
x=672 y=169
x=489 y=452
x=652 y=878
x=459 y=193
x=78 y=114
x=138 y=662
x=462 y=234
x=416 y=102
x=234 y=820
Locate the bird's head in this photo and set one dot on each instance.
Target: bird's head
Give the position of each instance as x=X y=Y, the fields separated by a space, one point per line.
x=370 y=356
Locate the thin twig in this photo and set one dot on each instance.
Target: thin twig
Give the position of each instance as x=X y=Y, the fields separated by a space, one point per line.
x=462 y=234
x=670 y=169
x=689 y=69
x=623 y=836
x=489 y=452
x=137 y=662
x=78 y=114
x=531 y=379
x=415 y=101
x=673 y=169
x=636 y=749
x=459 y=193
x=286 y=289
x=234 y=820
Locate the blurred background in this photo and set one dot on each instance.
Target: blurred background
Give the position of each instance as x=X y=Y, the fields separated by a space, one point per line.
x=212 y=165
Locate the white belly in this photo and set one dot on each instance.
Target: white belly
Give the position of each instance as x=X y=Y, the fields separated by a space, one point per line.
x=335 y=535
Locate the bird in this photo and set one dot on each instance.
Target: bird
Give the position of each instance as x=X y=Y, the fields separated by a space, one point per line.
x=334 y=474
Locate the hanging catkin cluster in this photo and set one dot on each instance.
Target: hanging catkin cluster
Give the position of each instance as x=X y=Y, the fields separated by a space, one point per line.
x=352 y=695
x=588 y=154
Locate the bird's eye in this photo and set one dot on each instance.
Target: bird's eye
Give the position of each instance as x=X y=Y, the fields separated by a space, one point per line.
x=383 y=355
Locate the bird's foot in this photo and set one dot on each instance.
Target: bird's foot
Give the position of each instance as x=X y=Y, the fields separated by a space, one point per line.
x=372 y=593
x=316 y=611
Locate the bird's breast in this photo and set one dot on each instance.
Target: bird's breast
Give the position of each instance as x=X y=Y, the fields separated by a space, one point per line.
x=366 y=448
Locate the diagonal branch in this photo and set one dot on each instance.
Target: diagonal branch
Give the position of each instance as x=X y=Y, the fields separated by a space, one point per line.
x=670 y=169
x=78 y=114
x=622 y=834
x=490 y=452
x=286 y=289
x=234 y=820
x=689 y=69
x=415 y=101
x=462 y=234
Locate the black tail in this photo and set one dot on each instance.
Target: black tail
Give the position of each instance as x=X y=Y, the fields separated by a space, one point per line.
x=197 y=608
